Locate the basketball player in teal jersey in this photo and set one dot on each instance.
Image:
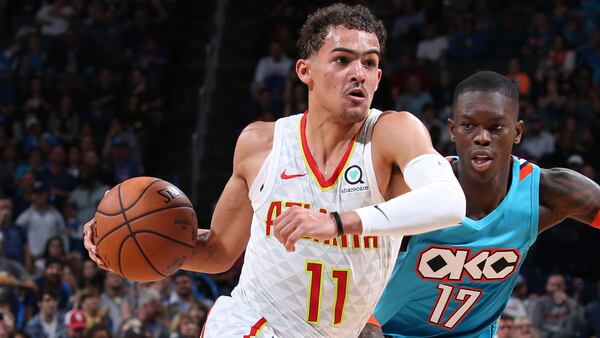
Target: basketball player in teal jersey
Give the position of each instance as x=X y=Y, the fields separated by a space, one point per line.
x=456 y=281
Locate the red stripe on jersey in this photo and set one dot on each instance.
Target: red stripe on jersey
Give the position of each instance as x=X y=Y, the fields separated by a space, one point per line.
x=596 y=222
x=256 y=327
x=525 y=171
x=323 y=182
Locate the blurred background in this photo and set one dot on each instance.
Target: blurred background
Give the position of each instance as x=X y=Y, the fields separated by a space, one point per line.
x=93 y=92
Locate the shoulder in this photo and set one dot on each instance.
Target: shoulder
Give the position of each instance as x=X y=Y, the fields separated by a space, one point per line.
x=555 y=181
x=397 y=123
x=253 y=146
x=256 y=137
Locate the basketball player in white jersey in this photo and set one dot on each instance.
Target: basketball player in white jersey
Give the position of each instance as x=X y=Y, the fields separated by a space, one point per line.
x=321 y=200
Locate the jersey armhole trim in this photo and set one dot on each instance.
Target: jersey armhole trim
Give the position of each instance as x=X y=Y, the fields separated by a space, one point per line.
x=535 y=203
x=263 y=183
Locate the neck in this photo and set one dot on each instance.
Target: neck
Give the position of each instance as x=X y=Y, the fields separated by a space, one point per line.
x=47 y=318
x=328 y=138
x=484 y=197
x=114 y=292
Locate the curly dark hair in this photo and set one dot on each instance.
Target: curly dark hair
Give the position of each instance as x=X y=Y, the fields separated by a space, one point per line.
x=316 y=27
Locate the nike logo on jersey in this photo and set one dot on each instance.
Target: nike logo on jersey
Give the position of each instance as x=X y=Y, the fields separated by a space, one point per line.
x=285 y=176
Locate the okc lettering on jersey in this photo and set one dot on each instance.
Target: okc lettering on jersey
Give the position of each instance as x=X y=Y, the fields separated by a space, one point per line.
x=449 y=264
x=345 y=241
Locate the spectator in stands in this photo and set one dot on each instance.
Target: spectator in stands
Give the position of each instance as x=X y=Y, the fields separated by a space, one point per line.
x=467 y=44
x=13 y=276
x=34 y=60
x=107 y=91
x=98 y=119
x=296 y=98
x=49 y=322
x=99 y=331
x=74 y=160
x=150 y=100
x=537 y=141
x=53 y=18
x=41 y=221
x=590 y=56
x=540 y=36
x=91 y=276
x=148 y=312
x=556 y=315
x=518 y=305
x=591 y=327
x=272 y=70
x=24 y=194
x=443 y=95
x=88 y=194
x=121 y=160
x=561 y=57
x=522 y=328
x=90 y=303
x=115 y=300
x=505 y=327
x=56 y=178
x=76 y=322
x=415 y=99
x=152 y=57
x=51 y=279
x=409 y=22
x=520 y=78
x=33 y=134
x=55 y=249
x=574 y=31
x=37 y=103
x=433 y=47
x=184 y=294
x=185 y=326
x=553 y=102
x=15 y=245
x=8 y=165
x=64 y=122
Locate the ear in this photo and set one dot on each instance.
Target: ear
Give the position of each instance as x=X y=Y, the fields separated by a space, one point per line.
x=451 y=126
x=379 y=73
x=519 y=131
x=303 y=71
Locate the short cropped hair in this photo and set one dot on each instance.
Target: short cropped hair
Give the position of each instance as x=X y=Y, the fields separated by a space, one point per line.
x=317 y=25
x=488 y=81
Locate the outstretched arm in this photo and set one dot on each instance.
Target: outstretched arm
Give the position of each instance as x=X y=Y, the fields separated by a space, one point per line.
x=565 y=193
x=217 y=249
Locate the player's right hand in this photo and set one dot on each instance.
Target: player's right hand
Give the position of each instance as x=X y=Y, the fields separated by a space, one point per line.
x=371 y=331
x=90 y=246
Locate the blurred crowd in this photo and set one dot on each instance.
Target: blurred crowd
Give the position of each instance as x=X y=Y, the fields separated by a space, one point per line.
x=80 y=98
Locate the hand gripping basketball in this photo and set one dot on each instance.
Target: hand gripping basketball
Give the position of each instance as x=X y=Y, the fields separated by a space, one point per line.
x=144 y=229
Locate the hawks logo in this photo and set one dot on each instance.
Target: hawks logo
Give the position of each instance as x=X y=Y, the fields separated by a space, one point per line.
x=450 y=264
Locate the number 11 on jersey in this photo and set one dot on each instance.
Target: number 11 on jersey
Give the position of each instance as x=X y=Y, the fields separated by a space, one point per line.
x=315 y=289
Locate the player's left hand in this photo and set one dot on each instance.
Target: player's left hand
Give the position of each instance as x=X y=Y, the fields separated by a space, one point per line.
x=371 y=331
x=296 y=222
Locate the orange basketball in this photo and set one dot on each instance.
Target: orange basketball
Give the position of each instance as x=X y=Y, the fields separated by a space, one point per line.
x=145 y=228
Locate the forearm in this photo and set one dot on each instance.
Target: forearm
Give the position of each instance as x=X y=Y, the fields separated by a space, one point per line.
x=209 y=255
x=435 y=201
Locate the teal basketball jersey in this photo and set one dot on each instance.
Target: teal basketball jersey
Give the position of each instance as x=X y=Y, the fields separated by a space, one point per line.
x=455 y=282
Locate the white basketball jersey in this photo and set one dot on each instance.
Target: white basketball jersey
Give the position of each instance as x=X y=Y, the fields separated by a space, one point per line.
x=324 y=288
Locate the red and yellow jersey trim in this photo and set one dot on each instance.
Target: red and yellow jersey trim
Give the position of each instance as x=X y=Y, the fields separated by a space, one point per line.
x=255 y=329
x=324 y=183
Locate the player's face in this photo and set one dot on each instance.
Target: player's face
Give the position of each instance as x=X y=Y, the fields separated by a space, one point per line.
x=484 y=128
x=343 y=75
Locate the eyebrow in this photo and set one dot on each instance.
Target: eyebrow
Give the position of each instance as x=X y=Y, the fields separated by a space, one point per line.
x=352 y=51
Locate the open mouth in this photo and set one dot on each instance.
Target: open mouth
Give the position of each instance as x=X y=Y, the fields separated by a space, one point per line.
x=357 y=94
x=481 y=162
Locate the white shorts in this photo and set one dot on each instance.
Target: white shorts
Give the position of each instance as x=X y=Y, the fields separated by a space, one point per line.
x=229 y=318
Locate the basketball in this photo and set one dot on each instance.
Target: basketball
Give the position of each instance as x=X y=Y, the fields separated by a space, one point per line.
x=145 y=228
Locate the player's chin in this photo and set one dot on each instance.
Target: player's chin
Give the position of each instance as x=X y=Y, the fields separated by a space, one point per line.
x=356 y=113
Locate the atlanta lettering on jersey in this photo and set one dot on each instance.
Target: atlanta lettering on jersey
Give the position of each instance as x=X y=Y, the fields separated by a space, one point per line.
x=344 y=241
x=451 y=264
